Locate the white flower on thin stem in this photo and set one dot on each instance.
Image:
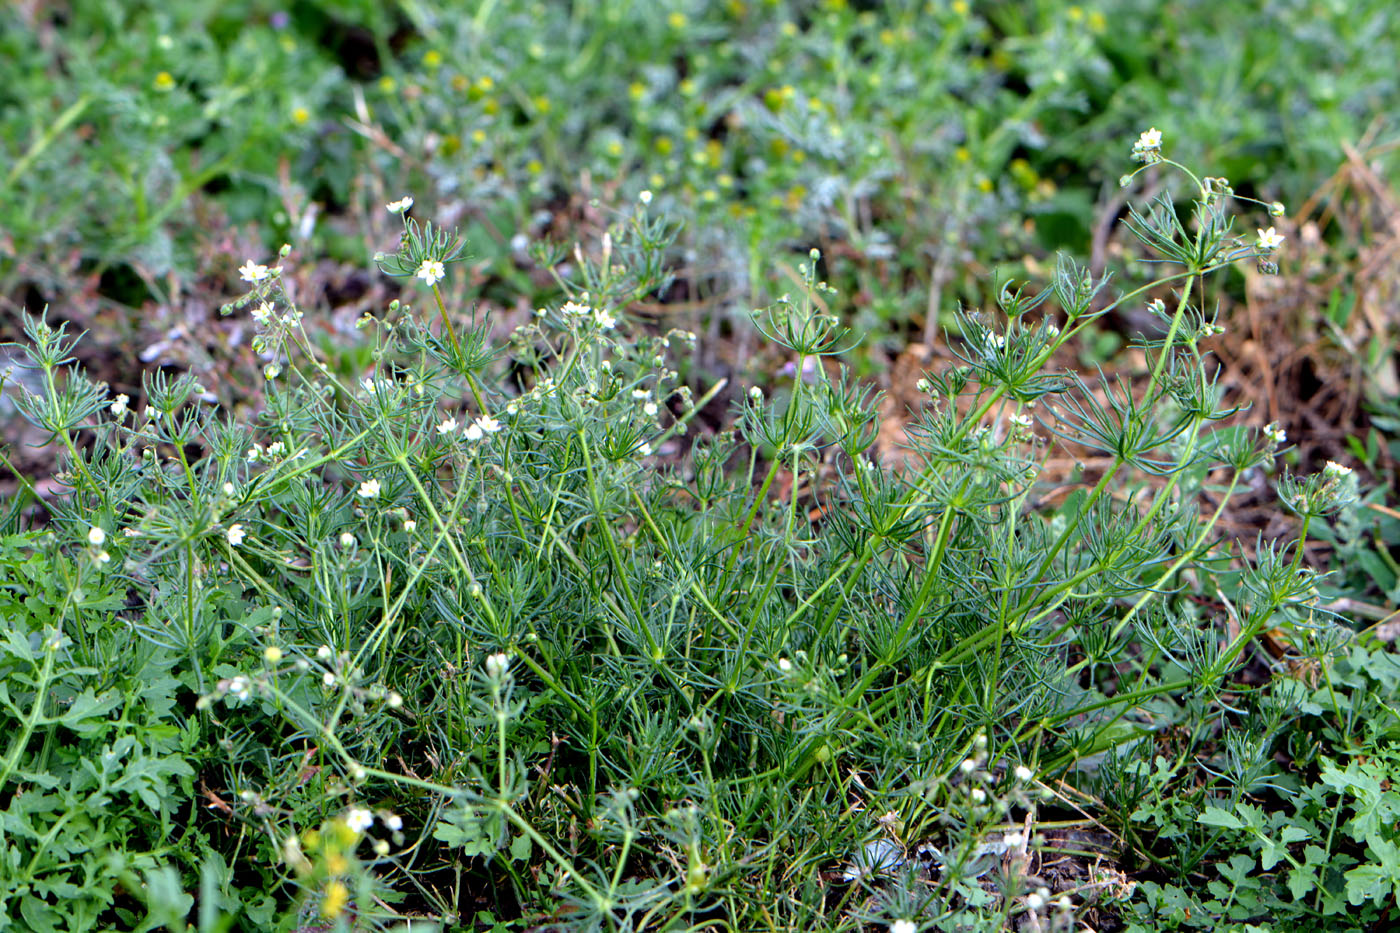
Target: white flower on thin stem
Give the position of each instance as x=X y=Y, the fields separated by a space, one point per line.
x=497 y=665
x=235 y=534
x=323 y=652
x=1148 y=147
x=119 y=406
x=97 y=536
x=431 y=271
x=605 y=319
x=359 y=820
x=369 y=489
x=1269 y=240
x=644 y=197
x=448 y=426
x=1275 y=433
x=254 y=272
x=903 y=926
x=394 y=822
x=488 y=424
x=347 y=540
x=401 y=205
x=1024 y=774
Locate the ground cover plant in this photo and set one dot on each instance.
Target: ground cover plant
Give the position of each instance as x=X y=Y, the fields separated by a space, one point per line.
x=491 y=634
x=920 y=145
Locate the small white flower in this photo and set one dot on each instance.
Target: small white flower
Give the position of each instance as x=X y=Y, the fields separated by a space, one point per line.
x=903 y=926
x=574 y=309
x=488 y=424
x=381 y=847
x=968 y=766
x=1269 y=240
x=394 y=822
x=978 y=795
x=644 y=197
x=119 y=406
x=650 y=409
x=1148 y=147
x=263 y=313
x=394 y=700
x=238 y=686
x=1034 y=901
x=1334 y=470
x=96 y=536
x=228 y=489
x=323 y=652
x=276 y=449
x=474 y=432
x=369 y=489
x=784 y=665
x=605 y=319
x=431 y=271
x=497 y=665
x=410 y=525
x=347 y=540
x=1275 y=433
x=328 y=679
x=1024 y=774
x=255 y=453
x=235 y=534
x=254 y=272
x=359 y=820
x=1157 y=306
x=644 y=449
x=401 y=205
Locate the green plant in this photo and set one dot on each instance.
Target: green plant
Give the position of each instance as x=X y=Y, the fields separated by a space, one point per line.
x=1309 y=846
x=496 y=613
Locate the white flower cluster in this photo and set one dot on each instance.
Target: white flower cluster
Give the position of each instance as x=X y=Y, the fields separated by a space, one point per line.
x=573 y=310
x=1148 y=147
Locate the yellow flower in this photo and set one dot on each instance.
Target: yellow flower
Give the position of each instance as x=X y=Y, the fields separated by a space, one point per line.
x=300 y=115
x=337 y=896
x=164 y=82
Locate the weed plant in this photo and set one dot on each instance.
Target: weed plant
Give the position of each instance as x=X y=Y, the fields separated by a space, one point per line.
x=494 y=633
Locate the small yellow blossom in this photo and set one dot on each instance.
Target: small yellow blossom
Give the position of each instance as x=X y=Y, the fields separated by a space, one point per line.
x=337 y=896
